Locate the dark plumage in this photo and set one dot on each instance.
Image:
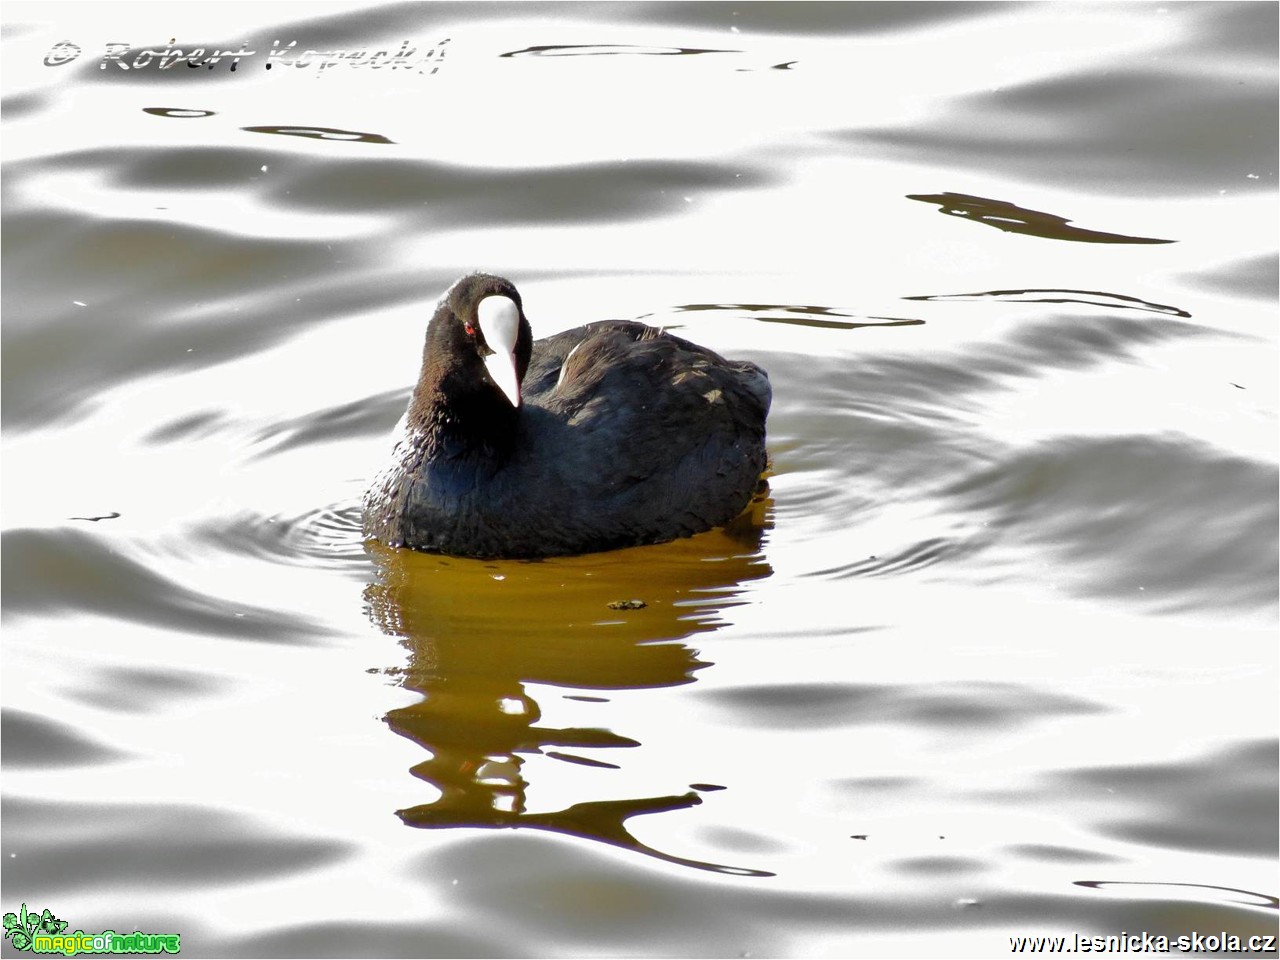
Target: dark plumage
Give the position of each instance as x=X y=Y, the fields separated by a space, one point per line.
x=618 y=434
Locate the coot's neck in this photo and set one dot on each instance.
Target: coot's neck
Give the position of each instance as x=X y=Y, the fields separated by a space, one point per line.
x=458 y=417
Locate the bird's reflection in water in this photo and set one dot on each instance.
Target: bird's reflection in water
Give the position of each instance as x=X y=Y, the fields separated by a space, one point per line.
x=478 y=632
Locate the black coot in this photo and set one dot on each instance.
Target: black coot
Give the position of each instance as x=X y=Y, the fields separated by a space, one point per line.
x=609 y=435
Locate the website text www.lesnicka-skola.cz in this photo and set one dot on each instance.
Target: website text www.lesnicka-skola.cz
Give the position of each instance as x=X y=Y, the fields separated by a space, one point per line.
x=1222 y=942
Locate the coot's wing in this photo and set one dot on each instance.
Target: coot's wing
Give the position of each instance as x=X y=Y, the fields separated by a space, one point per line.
x=670 y=434
x=550 y=353
x=595 y=349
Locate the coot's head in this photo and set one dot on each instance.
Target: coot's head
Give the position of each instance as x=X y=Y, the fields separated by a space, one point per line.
x=479 y=341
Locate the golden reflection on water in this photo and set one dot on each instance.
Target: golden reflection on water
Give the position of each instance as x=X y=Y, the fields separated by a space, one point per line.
x=479 y=632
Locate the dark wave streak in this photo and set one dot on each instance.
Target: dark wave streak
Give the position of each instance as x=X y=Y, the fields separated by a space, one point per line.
x=1012 y=218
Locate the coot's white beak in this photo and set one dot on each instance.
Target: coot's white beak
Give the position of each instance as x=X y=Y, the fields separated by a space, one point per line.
x=500 y=322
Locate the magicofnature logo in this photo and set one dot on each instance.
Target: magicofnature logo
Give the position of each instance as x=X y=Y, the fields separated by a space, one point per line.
x=45 y=933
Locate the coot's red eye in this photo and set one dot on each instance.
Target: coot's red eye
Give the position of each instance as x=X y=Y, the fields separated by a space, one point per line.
x=470 y=328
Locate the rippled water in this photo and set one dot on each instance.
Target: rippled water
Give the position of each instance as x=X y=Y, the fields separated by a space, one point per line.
x=996 y=654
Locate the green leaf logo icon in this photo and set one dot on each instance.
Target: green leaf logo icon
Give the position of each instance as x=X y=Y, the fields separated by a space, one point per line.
x=22 y=928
